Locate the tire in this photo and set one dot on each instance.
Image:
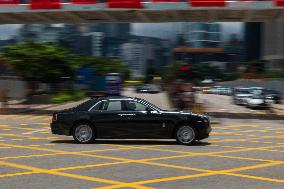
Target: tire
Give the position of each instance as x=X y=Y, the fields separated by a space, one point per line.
x=84 y=133
x=185 y=135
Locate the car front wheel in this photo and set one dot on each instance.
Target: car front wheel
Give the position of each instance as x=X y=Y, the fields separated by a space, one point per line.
x=84 y=133
x=185 y=135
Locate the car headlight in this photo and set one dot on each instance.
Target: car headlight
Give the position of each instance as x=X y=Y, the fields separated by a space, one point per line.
x=206 y=120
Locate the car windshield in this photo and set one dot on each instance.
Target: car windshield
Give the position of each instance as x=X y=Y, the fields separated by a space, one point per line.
x=242 y=91
x=270 y=91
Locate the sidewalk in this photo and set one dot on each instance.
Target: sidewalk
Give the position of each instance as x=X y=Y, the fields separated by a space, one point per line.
x=18 y=108
x=278 y=108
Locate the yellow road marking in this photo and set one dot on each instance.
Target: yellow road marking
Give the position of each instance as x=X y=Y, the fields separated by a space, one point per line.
x=20 y=117
x=75 y=176
x=35 y=117
x=28 y=156
x=159 y=180
x=92 y=165
x=250 y=167
x=18 y=174
x=206 y=173
x=255 y=177
x=8 y=117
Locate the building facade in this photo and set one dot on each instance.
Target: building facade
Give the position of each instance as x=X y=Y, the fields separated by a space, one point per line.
x=200 y=43
x=201 y=35
x=138 y=56
x=252 y=41
x=97 y=43
x=39 y=32
x=273 y=44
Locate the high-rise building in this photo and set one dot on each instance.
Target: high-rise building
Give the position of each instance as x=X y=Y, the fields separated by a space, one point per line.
x=202 y=44
x=39 y=32
x=115 y=34
x=117 y=30
x=273 y=45
x=252 y=41
x=200 y=35
x=138 y=56
x=97 y=43
x=75 y=38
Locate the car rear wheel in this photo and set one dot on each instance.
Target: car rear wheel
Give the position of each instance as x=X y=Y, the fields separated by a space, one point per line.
x=185 y=135
x=84 y=133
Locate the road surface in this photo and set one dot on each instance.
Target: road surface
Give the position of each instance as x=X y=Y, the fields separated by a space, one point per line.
x=242 y=152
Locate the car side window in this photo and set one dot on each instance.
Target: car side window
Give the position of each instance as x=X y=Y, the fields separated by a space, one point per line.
x=135 y=106
x=112 y=105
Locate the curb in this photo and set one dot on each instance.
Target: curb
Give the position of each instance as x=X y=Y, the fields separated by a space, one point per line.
x=277 y=108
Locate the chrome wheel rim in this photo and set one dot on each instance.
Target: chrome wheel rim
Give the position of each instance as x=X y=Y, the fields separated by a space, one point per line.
x=83 y=133
x=186 y=134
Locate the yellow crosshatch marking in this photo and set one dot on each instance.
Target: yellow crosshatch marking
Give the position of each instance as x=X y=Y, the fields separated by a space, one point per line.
x=224 y=141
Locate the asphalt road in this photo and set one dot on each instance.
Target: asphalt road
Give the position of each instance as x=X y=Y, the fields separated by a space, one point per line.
x=241 y=153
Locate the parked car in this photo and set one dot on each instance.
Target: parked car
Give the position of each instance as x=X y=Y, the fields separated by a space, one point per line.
x=241 y=96
x=224 y=91
x=272 y=96
x=148 y=88
x=127 y=117
x=256 y=101
x=213 y=90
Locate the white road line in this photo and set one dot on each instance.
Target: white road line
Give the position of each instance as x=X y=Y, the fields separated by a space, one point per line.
x=31 y=132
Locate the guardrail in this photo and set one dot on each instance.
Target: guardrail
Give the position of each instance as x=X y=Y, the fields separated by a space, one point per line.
x=137 y=4
x=83 y=11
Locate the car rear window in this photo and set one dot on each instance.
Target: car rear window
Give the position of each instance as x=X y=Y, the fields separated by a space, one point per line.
x=112 y=105
x=85 y=106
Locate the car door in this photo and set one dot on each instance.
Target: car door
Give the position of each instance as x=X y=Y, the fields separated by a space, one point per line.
x=145 y=122
x=109 y=119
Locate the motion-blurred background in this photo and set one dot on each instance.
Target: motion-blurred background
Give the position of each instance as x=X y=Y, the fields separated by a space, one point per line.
x=192 y=66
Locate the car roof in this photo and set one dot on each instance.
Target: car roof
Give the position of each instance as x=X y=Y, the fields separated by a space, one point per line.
x=117 y=98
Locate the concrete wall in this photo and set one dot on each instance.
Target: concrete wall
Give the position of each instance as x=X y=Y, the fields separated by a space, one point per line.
x=17 y=89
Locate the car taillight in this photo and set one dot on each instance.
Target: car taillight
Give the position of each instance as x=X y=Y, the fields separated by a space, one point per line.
x=54 y=117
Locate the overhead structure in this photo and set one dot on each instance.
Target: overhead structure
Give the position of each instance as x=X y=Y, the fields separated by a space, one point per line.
x=84 y=11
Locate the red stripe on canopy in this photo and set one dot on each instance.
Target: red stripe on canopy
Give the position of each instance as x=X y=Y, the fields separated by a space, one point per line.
x=131 y=4
x=166 y=1
x=83 y=1
x=207 y=3
x=45 y=4
x=279 y=3
x=9 y=2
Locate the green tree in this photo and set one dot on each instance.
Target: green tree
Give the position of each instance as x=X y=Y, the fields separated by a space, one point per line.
x=104 y=65
x=255 y=66
x=40 y=62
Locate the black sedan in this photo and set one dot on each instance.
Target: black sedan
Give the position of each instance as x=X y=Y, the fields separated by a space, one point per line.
x=128 y=118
